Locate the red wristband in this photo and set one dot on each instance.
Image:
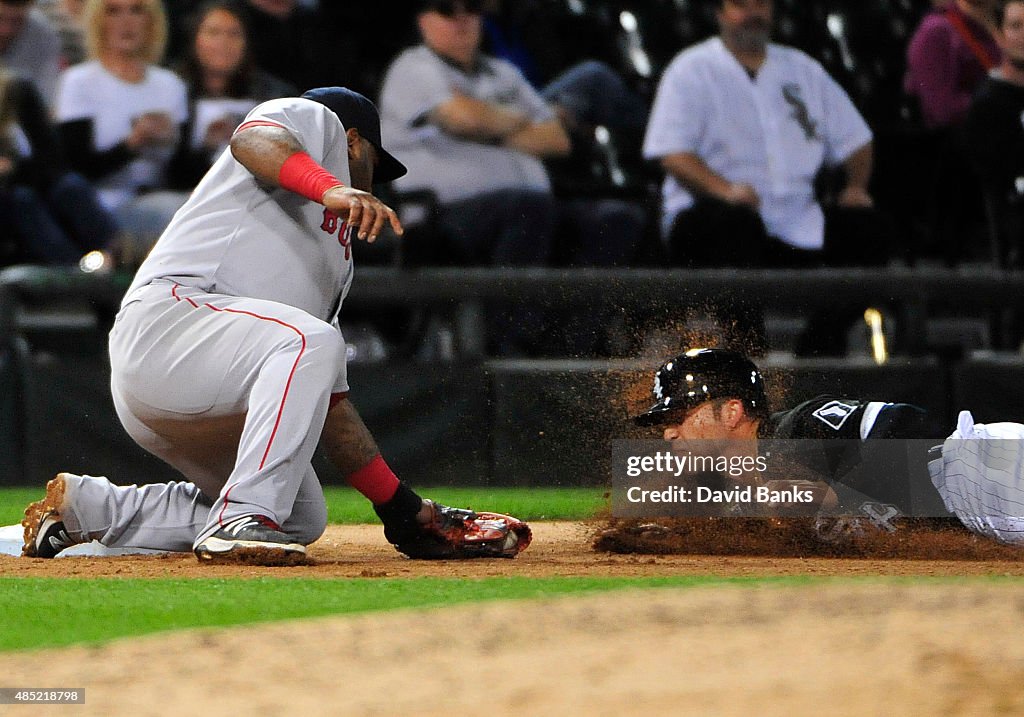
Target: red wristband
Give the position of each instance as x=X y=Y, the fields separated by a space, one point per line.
x=375 y=480
x=302 y=175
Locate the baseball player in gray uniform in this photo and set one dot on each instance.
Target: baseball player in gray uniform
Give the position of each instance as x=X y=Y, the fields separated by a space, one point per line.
x=228 y=362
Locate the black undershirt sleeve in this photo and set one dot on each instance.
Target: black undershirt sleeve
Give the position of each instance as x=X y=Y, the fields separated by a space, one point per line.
x=81 y=152
x=46 y=163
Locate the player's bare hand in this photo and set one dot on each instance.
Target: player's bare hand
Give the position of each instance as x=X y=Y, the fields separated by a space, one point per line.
x=742 y=194
x=362 y=210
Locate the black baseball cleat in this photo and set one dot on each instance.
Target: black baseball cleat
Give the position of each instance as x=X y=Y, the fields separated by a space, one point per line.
x=45 y=533
x=52 y=538
x=251 y=539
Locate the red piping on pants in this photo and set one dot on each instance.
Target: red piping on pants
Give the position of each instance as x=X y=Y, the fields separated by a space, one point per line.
x=287 y=386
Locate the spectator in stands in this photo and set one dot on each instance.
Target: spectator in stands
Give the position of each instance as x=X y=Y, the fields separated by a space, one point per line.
x=67 y=17
x=948 y=57
x=293 y=42
x=742 y=127
x=995 y=133
x=471 y=129
x=223 y=85
x=951 y=52
x=29 y=46
x=53 y=215
x=120 y=115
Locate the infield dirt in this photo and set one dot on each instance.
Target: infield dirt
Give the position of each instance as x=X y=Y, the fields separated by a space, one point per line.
x=946 y=648
x=563 y=548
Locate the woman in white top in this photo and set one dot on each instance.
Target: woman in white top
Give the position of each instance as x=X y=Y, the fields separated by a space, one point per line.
x=120 y=115
x=224 y=84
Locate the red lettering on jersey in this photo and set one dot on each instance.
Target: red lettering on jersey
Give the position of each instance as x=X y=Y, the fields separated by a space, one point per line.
x=330 y=224
x=344 y=240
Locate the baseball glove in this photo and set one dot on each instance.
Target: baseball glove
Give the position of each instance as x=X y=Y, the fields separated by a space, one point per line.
x=457 y=533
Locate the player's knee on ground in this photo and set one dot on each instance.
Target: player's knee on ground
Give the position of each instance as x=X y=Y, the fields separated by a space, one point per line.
x=307 y=523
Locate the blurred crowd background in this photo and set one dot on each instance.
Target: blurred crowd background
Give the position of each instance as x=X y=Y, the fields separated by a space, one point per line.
x=562 y=134
x=542 y=132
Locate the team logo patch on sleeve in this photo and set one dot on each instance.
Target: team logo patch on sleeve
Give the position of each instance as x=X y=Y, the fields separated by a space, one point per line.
x=834 y=413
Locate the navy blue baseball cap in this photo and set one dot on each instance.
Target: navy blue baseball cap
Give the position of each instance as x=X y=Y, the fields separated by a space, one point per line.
x=355 y=110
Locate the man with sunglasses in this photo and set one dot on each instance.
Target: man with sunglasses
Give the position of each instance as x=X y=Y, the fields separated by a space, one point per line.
x=472 y=130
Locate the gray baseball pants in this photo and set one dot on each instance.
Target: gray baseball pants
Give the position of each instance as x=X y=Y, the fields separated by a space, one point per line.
x=233 y=392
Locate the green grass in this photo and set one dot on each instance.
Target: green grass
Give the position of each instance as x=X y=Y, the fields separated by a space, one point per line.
x=53 y=612
x=346 y=506
x=14 y=500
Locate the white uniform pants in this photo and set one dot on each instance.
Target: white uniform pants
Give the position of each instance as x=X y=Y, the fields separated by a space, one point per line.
x=232 y=392
x=980 y=477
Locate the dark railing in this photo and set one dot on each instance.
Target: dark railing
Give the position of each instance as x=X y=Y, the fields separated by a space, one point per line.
x=56 y=414
x=913 y=292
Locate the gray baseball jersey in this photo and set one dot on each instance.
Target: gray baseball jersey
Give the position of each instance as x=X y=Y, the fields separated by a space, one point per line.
x=235 y=237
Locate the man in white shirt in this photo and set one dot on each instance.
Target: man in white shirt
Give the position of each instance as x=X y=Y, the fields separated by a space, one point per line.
x=742 y=127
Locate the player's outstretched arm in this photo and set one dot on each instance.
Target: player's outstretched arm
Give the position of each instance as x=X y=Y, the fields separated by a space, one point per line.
x=265 y=150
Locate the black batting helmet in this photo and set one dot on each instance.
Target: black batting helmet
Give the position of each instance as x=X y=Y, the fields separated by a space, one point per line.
x=701 y=375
